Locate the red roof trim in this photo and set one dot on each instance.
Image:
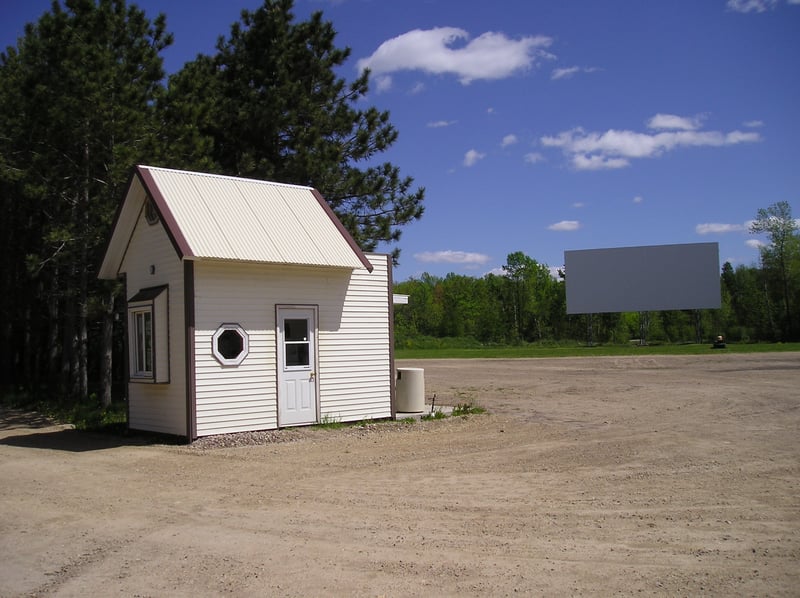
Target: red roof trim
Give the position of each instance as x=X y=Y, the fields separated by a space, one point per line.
x=174 y=232
x=343 y=231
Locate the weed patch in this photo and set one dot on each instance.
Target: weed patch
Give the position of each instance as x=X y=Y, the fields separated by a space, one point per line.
x=329 y=422
x=467 y=409
x=438 y=414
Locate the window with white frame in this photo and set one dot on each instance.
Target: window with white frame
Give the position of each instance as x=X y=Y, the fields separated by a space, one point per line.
x=148 y=335
x=230 y=344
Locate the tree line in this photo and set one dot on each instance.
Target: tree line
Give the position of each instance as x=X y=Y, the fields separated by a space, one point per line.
x=526 y=304
x=84 y=98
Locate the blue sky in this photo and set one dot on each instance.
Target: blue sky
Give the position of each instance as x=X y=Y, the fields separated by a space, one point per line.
x=554 y=125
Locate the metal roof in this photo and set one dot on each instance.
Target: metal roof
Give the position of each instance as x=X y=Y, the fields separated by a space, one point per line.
x=209 y=216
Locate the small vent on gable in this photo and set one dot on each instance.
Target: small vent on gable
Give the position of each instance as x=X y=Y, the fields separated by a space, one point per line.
x=150 y=212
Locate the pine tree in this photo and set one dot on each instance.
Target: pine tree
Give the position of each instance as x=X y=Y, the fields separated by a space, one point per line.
x=270 y=105
x=77 y=105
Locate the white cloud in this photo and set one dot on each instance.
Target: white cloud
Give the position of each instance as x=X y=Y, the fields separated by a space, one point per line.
x=383 y=83
x=564 y=73
x=578 y=204
x=755 y=243
x=746 y=6
x=582 y=162
x=638 y=199
x=419 y=87
x=735 y=137
x=452 y=257
x=615 y=149
x=570 y=71
x=533 y=157
x=449 y=50
x=565 y=225
x=438 y=124
x=751 y=5
x=490 y=110
x=671 y=122
x=472 y=157
x=755 y=124
x=509 y=140
x=718 y=228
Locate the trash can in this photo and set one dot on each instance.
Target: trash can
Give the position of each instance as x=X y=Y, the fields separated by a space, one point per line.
x=410 y=387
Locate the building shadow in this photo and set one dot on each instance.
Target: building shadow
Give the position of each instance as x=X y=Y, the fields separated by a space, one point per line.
x=26 y=429
x=75 y=441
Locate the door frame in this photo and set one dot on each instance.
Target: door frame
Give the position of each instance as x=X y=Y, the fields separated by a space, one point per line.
x=314 y=309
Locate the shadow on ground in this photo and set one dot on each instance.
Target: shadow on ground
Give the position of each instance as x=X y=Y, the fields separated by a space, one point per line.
x=76 y=441
x=28 y=429
x=11 y=419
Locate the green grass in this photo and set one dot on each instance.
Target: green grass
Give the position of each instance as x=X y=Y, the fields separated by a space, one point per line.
x=330 y=423
x=466 y=409
x=586 y=351
x=438 y=414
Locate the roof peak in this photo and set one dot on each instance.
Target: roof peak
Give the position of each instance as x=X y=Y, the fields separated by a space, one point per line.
x=222 y=176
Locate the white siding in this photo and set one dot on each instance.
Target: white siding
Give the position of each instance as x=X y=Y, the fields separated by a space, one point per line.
x=355 y=370
x=158 y=407
x=353 y=342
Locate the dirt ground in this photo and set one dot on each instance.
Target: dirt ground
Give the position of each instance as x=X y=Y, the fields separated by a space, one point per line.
x=675 y=476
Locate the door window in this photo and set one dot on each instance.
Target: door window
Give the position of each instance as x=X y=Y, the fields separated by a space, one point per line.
x=296 y=343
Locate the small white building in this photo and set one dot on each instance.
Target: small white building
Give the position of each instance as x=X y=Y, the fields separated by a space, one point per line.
x=249 y=307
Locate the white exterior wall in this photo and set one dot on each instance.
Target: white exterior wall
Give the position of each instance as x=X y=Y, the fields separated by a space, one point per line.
x=158 y=407
x=352 y=343
x=354 y=361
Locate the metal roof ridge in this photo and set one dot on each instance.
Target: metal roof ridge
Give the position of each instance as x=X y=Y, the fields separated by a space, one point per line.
x=224 y=176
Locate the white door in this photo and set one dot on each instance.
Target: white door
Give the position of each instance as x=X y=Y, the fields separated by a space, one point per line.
x=297 y=375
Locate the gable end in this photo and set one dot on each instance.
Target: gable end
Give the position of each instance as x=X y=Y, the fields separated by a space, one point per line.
x=168 y=221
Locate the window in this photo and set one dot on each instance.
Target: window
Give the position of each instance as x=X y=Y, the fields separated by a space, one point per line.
x=230 y=344
x=143 y=329
x=148 y=336
x=296 y=343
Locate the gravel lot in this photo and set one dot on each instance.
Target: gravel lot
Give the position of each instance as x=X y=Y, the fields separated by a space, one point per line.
x=593 y=476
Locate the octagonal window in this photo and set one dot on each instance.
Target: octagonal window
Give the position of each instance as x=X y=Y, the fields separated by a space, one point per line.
x=230 y=344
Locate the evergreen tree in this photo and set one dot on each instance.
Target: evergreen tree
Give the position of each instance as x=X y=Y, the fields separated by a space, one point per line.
x=270 y=106
x=76 y=115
